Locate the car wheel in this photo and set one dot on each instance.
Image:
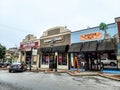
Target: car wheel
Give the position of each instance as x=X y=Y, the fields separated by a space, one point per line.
x=10 y=71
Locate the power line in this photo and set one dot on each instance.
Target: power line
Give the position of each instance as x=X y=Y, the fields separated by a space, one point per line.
x=13 y=28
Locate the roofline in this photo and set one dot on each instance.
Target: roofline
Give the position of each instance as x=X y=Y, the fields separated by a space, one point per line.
x=89 y=28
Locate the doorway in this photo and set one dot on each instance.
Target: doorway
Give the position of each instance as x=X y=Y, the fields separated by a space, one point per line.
x=53 y=61
x=28 y=57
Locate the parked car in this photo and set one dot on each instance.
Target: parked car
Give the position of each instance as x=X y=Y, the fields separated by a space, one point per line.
x=1 y=64
x=17 y=67
x=5 y=64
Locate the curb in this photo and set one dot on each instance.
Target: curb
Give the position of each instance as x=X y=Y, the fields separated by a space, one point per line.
x=95 y=74
x=48 y=71
x=82 y=74
x=109 y=77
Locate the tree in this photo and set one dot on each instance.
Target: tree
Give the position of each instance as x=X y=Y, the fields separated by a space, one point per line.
x=2 y=51
x=103 y=27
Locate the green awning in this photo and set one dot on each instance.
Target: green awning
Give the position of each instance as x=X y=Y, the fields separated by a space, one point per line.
x=76 y=47
x=106 y=45
x=63 y=48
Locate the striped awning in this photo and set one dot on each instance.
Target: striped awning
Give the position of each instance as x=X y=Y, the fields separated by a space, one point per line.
x=76 y=47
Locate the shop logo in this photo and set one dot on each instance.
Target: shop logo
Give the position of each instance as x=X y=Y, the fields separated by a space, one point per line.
x=29 y=45
x=53 y=40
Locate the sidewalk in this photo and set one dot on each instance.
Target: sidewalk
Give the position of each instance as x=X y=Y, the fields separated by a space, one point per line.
x=97 y=73
x=53 y=71
x=82 y=73
x=110 y=76
x=3 y=68
x=85 y=73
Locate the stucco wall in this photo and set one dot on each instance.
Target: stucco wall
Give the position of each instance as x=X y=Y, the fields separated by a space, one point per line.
x=75 y=36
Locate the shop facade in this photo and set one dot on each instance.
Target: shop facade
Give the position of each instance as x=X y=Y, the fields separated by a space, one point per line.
x=98 y=52
x=117 y=20
x=29 y=53
x=54 y=47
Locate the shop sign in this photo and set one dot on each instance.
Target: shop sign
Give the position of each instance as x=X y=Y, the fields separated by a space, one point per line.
x=29 y=45
x=95 y=35
x=52 y=40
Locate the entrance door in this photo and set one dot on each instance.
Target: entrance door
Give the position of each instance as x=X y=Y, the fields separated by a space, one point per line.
x=53 y=62
x=28 y=57
x=94 y=61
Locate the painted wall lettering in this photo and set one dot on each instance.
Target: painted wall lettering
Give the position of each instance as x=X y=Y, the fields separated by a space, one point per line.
x=95 y=35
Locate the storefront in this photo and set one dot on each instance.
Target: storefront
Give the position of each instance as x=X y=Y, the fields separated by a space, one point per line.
x=117 y=20
x=89 y=42
x=54 y=47
x=29 y=51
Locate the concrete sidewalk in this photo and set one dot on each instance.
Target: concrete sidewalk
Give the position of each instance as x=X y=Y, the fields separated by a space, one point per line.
x=110 y=76
x=97 y=73
x=85 y=73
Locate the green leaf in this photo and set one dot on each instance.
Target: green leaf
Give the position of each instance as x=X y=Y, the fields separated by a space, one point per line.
x=2 y=51
x=102 y=26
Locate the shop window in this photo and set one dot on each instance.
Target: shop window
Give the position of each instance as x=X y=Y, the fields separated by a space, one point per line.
x=108 y=59
x=35 y=60
x=104 y=55
x=112 y=56
x=109 y=55
x=45 y=59
x=62 y=59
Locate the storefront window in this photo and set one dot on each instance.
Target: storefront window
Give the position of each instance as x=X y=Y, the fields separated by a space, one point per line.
x=35 y=60
x=112 y=56
x=104 y=55
x=62 y=59
x=45 y=59
x=108 y=59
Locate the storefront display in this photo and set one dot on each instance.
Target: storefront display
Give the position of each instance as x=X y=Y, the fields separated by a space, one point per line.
x=91 y=43
x=62 y=59
x=29 y=51
x=55 y=44
x=108 y=60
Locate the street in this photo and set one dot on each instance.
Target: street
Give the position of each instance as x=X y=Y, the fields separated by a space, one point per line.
x=54 y=81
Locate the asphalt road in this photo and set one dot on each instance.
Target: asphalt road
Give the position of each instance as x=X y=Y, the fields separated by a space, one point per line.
x=54 y=81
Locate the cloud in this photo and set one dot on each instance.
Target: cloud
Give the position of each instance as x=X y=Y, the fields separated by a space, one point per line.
x=21 y=17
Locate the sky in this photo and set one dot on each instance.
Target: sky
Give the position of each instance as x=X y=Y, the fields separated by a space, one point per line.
x=18 y=18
